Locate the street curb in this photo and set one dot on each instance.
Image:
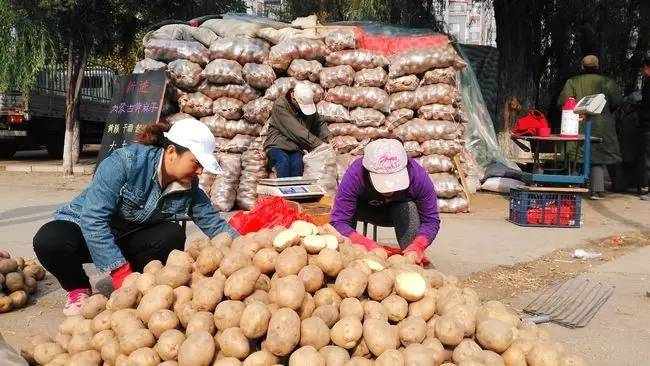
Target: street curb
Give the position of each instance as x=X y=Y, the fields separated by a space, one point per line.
x=40 y=168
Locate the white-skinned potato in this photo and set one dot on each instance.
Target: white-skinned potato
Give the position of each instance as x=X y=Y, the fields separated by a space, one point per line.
x=134 y=339
x=467 y=349
x=328 y=313
x=86 y=358
x=255 y=320
x=222 y=239
x=228 y=314
x=263 y=283
x=351 y=307
x=233 y=343
x=380 y=336
x=440 y=354
x=62 y=339
x=46 y=352
x=306 y=355
x=290 y=261
x=227 y=361
x=412 y=330
x=361 y=349
x=543 y=354
x=397 y=308
x=284 y=332
x=285 y=239
x=208 y=260
x=153 y=267
x=70 y=324
x=391 y=357
x=307 y=308
x=410 y=285
x=241 y=283
x=202 y=321
x=144 y=357
x=168 y=363
x=257 y=295
x=351 y=282
x=417 y=354
x=515 y=356
x=173 y=276
x=327 y=296
x=207 y=293
x=101 y=338
x=334 y=355
x=314 y=332
x=145 y=282
x=198 y=349
x=18 y=299
x=182 y=294
x=466 y=314
x=289 y=292
x=425 y=308
x=234 y=261
x=131 y=279
x=162 y=320
x=260 y=358
x=60 y=360
x=179 y=258
x=84 y=326
x=380 y=285
x=8 y=265
x=330 y=262
x=248 y=246
x=27 y=347
x=125 y=320
x=490 y=358
x=346 y=332
x=304 y=228
x=111 y=351
x=449 y=330
x=185 y=312
x=264 y=260
x=374 y=310
x=157 y=298
x=169 y=344
x=494 y=335
x=359 y=361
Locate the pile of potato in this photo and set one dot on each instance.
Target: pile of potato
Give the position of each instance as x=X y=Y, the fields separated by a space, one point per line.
x=18 y=279
x=298 y=296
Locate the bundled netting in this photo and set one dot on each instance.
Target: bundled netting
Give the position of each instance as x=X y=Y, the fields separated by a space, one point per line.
x=224 y=190
x=254 y=168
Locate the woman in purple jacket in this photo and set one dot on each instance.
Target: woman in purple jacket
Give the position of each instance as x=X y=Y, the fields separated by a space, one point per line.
x=386 y=188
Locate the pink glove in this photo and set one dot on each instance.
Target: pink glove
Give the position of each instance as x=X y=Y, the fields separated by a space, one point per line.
x=119 y=274
x=418 y=246
x=363 y=241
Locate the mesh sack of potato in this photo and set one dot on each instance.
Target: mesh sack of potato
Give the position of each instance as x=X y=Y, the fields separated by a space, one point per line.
x=340 y=40
x=228 y=108
x=344 y=144
x=203 y=35
x=336 y=75
x=220 y=127
x=367 y=117
x=376 y=77
x=206 y=180
x=333 y=113
x=321 y=165
x=148 y=64
x=242 y=92
x=442 y=147
x=282 y=85
x=18 y=280
x=419 y=60
x=442 y=112
x=358 y=59
x=253 y=169
x=242 y=50
x=305 y=70
x=436 y=163
x=421 y=130
x=402 y=83
x=413 y=149
x=185 y=74
x=222 y=71
x=368 y=97
x=424 y=95
x=446 y=75
x=283 y=53
x=259 y=76
x=233 y=28
x=398 y=117
x=453 y=205
x=196 y=104
x=238 y=144
x=170 y=50
x=258 y=110
x=447 y=185
x=224 y=190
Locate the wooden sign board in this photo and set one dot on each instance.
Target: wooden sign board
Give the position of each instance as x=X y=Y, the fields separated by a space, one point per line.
x=137 y=101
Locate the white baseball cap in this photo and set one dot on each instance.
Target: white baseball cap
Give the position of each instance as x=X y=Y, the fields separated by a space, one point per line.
x=305 y=97
x=198 y=138
x=386 y=161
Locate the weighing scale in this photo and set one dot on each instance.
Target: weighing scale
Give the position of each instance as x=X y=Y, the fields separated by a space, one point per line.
x=293 y=188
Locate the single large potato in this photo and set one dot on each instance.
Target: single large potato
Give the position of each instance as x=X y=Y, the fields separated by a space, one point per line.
x=197 y=350
x=284 y=332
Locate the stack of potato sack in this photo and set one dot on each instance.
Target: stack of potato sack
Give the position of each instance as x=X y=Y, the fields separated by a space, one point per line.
x=18 y=279
x=297 y=296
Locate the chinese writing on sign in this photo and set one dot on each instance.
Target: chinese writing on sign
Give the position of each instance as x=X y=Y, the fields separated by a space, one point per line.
x=141 y=88
x=116 y=128
x=134 y=108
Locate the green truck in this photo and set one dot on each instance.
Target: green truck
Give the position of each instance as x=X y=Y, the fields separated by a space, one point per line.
x=37 y=119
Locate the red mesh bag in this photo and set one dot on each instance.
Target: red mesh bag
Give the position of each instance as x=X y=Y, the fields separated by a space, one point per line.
x=268 y=212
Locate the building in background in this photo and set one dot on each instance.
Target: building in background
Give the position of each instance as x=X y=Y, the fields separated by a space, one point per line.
x=471 y=21
x=264 y=8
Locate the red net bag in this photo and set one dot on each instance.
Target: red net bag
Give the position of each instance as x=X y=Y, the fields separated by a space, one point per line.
x=268 y=212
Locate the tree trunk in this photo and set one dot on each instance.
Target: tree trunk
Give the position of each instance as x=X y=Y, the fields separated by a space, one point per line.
x=71 y=144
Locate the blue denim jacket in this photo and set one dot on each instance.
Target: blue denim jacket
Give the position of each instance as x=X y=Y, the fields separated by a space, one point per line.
x=125 y=194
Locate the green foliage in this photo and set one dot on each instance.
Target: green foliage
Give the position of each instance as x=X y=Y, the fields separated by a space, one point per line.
x=377 y=10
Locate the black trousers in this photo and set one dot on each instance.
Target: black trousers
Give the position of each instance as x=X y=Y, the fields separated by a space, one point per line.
x=62 y=250
x=403 y=216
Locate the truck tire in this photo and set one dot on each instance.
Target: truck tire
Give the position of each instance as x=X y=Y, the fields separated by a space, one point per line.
x=7 y=149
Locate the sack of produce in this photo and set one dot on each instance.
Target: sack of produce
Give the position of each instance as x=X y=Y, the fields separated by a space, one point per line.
x=148 y=64
x=436 y=163
x=172 y=32
x=461 y=116
x=447 y=185
x=440 y=76
x=344 y=144
x=169 y=50
x=197 y=104
x=224 y=191
x=419 y=60
x=185 y=74
x=371 y=133
x=206 y=180
x=424 y=95
x=239 y=144
x=282 y=85
x=453 y=205
x=332 y=112
x=343 y=129
x=442 y=112
x=359 y=97
x=275 y=36
x=367 y=117
x=376 y=77
x=321 y=165
x=221 y=142
x=228 y=108
x=359 y=150
x=259 y=76
x=233 y=28
x=335 y=76
x=398 y=117
x=254 y=168
x=402 y=83
x=340 y=40
x=203 y=35
x=222 y=71
x=242 y=92
x=442 y=147
x=421 y=130
x=358 y=59
x=172 y=118
x=283 y=53
x=221 y=127
x=305 y=70
x=258 y=110
x=413 y=149
x=242 y=50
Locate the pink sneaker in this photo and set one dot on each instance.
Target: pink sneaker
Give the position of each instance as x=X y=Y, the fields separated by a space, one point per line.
x=75 y=300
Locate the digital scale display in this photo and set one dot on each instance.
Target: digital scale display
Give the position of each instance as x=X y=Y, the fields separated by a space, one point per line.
x=293 y=190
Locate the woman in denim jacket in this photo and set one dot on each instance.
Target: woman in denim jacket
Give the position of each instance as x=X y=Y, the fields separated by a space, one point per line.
x=122 y=221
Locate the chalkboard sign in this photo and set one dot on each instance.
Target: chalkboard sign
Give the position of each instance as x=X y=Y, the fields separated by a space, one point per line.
x=137 y=100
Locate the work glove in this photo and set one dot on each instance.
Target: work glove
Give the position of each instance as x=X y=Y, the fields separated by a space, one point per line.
x=119 y=274
x=418 y=246
x=363 y=241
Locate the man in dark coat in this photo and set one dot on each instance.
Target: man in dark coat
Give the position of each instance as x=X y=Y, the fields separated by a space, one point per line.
x=294 y=127
x=608 y=152
x=644 y=119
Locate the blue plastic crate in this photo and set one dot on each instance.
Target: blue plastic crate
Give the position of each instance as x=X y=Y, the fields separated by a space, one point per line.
x=545 y=209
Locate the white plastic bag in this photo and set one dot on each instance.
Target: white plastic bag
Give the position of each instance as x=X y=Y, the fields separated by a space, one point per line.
x=321 y=165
